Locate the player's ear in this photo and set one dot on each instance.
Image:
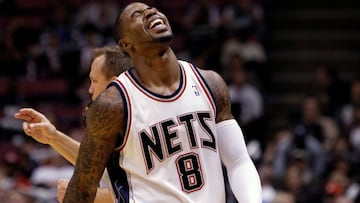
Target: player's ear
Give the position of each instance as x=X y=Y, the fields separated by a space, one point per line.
x=124 y=44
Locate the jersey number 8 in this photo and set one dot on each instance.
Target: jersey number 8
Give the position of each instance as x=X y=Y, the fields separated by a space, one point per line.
x=190 y=174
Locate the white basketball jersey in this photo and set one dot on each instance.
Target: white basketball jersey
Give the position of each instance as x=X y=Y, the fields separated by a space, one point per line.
x=170 y=150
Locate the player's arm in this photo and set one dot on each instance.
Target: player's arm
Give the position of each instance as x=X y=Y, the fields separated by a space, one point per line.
x=66 y=147
x=104 y=122
x=103 y=195
x=242 y=174
x=38 y=126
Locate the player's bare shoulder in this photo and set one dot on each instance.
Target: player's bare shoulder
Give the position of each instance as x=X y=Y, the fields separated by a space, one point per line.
x=104 y=119
x=106 y=114
x=220 y=91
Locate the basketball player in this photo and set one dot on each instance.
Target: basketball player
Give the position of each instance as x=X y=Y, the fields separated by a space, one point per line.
x=169 y=122
x=108 y=63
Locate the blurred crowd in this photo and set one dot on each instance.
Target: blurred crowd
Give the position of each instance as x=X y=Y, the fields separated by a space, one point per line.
x=45 y=55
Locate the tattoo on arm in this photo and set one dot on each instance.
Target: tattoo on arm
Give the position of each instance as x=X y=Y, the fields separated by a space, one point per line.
x=103 y=124
x=220 y=91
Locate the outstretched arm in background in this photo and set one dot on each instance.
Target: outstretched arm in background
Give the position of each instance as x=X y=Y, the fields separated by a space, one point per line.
x=243 y=177
x=37 y=126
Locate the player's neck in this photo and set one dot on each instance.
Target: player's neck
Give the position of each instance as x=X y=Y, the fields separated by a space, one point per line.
x=161 y=61
x=157 y=71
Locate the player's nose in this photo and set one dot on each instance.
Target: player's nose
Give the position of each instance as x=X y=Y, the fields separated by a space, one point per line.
x=149 y=12
x=91 y=89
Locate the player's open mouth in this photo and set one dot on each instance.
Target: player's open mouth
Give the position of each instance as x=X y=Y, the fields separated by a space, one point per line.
x=156 y=22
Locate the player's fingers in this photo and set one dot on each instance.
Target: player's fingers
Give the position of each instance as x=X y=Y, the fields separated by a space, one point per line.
x=59 y=198
x=29 y=128
x=61 y=188
x=22 y=116
x=26 y=128
x=46 y=128
x=37 y=126
x=29 y=115
x=62 y=182
x=27 y=110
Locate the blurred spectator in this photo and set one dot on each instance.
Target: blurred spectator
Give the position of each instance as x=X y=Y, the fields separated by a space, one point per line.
x=60 y=23
x=351 y=191
x=268 y=190
x=296 y=182
x=246 y=101
x=91 y=38
x=244 y=16
x=99 y=13
x=252 y=53
x=247 y=47
x=7 y=121
x=346 y=116
x=341 y=155
x=8 y=155
x=272 y=147
x=284 y=197
x=298 y=145
x=201 y=23
x=202 y=13
x=58 y=40
x=336 y=187
x=354 y=136
x=312 y=134
x=333 y=90
x=19 y=37
x=320 y=126
x=16 y=197
x=15 y=167
x=49 y=60
x=52 y=167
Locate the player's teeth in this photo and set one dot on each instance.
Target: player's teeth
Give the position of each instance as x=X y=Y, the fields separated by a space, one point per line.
x=153 y=23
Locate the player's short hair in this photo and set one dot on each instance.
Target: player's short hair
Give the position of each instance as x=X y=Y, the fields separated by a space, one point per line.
x=116 y=60
x=117 y=30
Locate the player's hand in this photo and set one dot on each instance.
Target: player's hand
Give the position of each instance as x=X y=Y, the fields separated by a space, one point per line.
x=61 y=189
x=36 y=125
